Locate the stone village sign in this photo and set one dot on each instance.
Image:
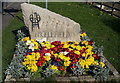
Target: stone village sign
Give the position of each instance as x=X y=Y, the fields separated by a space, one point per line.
x=49 y=26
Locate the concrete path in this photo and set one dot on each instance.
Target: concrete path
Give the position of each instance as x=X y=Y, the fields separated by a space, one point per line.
x=0 y=21
x=10 y=10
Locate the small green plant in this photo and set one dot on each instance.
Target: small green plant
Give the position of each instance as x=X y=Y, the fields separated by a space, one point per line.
x=100 y=74
x=20 y=35
x=16 y=69
x=77 y=70
x=48 y=72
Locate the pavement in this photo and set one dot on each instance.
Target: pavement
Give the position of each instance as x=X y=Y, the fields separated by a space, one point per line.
x=10 y=10
x=0 y=21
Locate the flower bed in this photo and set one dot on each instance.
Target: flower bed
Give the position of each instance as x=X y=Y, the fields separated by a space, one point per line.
x=44 y=59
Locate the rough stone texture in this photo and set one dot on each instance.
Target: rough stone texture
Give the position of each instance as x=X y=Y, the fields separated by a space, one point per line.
x=53 y=27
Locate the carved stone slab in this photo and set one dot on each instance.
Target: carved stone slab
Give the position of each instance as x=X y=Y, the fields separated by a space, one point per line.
x=52 y=26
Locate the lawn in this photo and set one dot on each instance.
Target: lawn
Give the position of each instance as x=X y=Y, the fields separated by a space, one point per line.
x=103 y=29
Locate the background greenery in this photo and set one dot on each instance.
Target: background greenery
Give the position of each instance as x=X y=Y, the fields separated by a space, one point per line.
x=103 y=29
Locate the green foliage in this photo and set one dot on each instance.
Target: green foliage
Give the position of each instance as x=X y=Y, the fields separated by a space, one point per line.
x=101 y=13
x=98 y=51
x=100 y=74
x=48 y=72
x=20 y=35
x=16 y=69
x=20 y=48
x=9 y=41
x=77 y=70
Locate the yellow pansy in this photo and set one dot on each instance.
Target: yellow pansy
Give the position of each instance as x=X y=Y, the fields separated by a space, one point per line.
x=53 y=67
x=85 y=42
x=25 y=39
x=87 y=62
x=61 y=56
x=65 y=46
x=30 y=61
x=28 y=57
x=24 y=63
x=28 y=67
x=91 y=59
x=42 y=43
x=34 y=68
x=66 y=58
x=78 y=47
x=47 y=42
x=47 y=46
x=88 y=51
x=63 y=42
x=35 y=44
x=33 y=53
x=76 y=52
x=95 y=63
x=86 y=65
x=87 y=54
x=76 y=42
x=67 y=63
x=89 y=47
x=55 y=55
x=37 y=54
x=102 y=64
x=68 y=42
x=35 y=47
x=52 y=52
x=83 y=47
x=52 y=46
x=83 y=34
x=82 y=62
x=83 y=55
x=32 y=40
x=47 y=58
x=70 y=49
x=73 y=46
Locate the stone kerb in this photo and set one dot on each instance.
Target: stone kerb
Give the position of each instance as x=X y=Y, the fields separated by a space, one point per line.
x=52 y=26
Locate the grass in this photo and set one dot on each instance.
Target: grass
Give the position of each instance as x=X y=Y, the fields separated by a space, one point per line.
x=9 y=41
x=103 y=29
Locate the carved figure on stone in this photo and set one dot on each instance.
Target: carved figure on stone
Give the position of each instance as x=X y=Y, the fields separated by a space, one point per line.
x=35 y=19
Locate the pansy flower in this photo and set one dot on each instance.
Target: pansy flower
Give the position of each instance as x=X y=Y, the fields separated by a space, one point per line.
x=67 y=63
x=53 y=67
x=61 y=68
x=83 y=34
x=90 y=42
x=56 y=43
x=25 y=39
x=102 y=64
x=55 y=63
x=70 y=42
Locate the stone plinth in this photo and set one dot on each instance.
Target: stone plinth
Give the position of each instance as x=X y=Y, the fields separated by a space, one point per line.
x=52 y=26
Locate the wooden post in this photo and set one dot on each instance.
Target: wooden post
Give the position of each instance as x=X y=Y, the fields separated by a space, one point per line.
x=100 y=5
x=112 y=8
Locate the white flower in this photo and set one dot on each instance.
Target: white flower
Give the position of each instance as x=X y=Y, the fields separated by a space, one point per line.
x=31 y=47
x=65 y=53
x=41 y=39
x=32 y=44
x=47 y=54
x=28 y=42
x=62 y=52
